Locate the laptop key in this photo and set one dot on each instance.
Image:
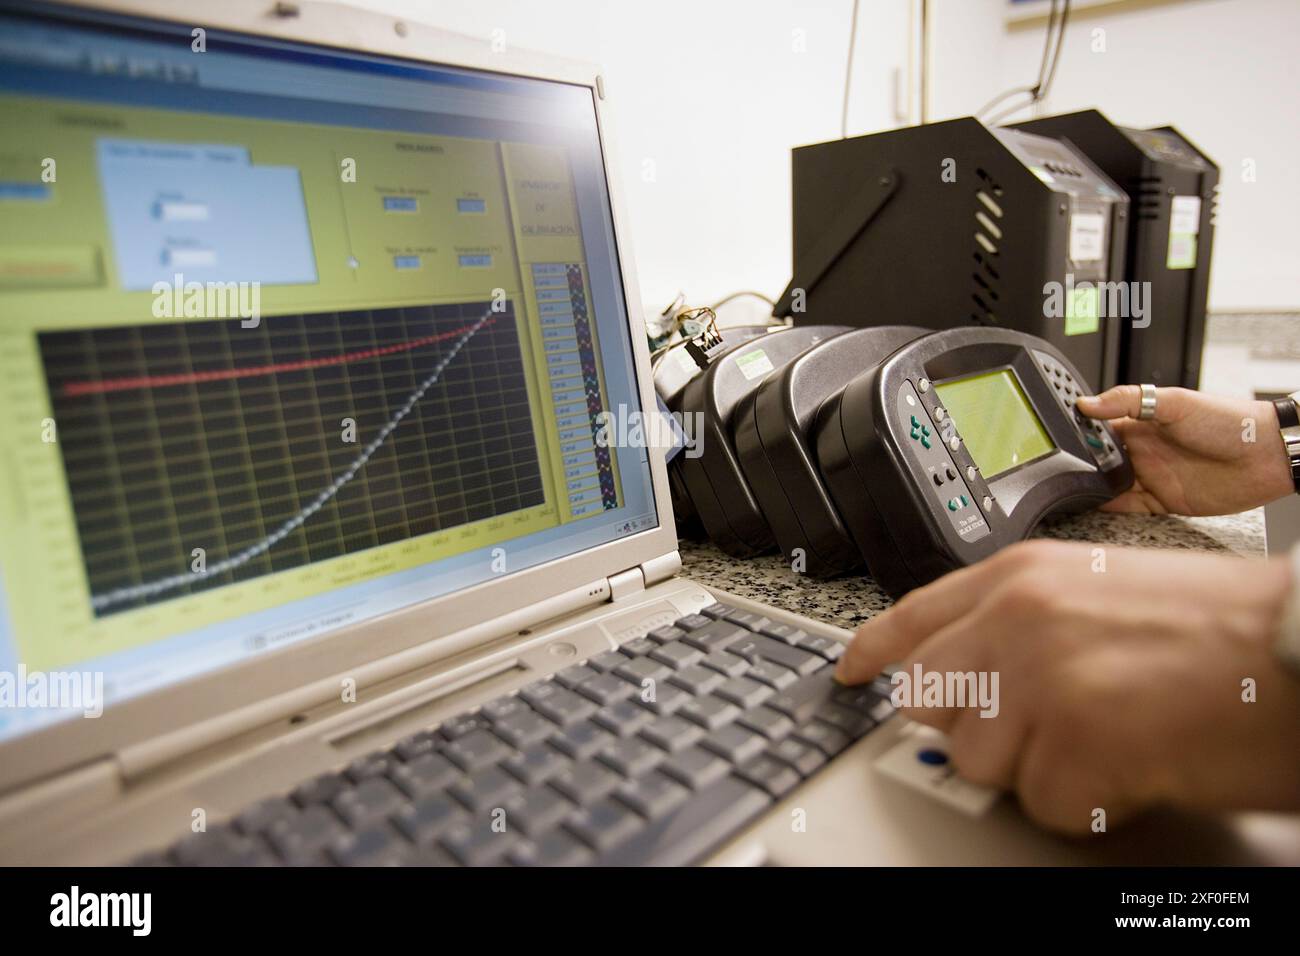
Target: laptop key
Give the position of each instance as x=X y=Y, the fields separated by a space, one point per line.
x=582 y=740
x=371 y=765
x=736 y=743
x=524 y=729
x=744 y=692
x=643 y=669
x=536 y=765
x=425 y=819
x=697 y=679
x=802 y=662
x=503 y=707
x=677 y=654
x=486 y=789
x=536 y=811
x=631 y=757
x=311 y=830
x=624 y=718
x=428 y=774
x=683 y=835
x=850 y=721
x=665 y=635
x=605 y=689
x=477 y=843
x=696 y=767
x=715 y=636
x=571 y=677
x=805 y=758
x=540 y=690
x=801 y=701
x=749 y=620
x=692 y=622
x=784 y=633
x=672 y=733
x=477 y=749
x=607 y=661
x=638 y=646
x=829 y=740
x=604 y=825
x=727 y=664
x=717 y=610
x=320 y=789
x=663 y=698
x=417 y=745
x=556 y=848
x=264 y=813
x=653 y=795
x=586 y=782
x=222 y=846
x=773 y=675
x=770 y=723
x=374 y=846
x=710 y=712
x=823 y=646
x=367 y=801
x=565 y=708
x=460 y=726
x=770 y=774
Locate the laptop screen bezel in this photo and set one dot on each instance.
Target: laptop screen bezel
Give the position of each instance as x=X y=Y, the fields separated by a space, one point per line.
x=280 y=682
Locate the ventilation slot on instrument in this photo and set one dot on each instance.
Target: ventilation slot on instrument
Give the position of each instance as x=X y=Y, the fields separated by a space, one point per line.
x=989 y=229
x=1148 y=192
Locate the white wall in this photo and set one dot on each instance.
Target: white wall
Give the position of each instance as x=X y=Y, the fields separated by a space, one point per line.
x=1226 y=73
x=711 y=95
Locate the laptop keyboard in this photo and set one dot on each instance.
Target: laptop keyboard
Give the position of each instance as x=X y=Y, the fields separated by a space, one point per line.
x=652 y=754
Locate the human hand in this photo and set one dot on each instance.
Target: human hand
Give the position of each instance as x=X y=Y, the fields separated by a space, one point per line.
x=1195 y=457
x=1117 y=689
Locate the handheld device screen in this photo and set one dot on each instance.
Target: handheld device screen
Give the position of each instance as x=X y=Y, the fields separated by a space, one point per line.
x=998 y=424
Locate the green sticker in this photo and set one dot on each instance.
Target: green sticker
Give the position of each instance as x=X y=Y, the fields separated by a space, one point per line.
x=1182 y=251
x=1081 y=311
x=753 y=364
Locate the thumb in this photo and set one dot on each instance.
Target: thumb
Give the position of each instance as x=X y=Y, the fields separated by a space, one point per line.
x=1125 y=401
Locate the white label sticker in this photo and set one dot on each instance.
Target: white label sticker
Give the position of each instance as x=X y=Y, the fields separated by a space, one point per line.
x=920 y=760
x=685 y=362
x=1185 y=217
x=753 y=364
x=1087 y=237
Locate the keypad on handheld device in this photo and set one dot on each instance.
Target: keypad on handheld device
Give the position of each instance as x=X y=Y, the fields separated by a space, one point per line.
x=1096 y=435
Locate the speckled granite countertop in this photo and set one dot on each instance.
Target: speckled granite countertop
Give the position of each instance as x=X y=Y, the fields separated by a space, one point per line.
x=848 y=601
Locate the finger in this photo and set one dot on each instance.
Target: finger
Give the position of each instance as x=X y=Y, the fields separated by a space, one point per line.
x=953 y=658
x=892 y=635
x=1125 y=401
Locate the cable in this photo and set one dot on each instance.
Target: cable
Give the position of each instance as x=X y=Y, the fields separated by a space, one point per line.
x=1056 y=57
x=1057 y=18
x=848 y=73
x=737 y=295
x=1002 y=96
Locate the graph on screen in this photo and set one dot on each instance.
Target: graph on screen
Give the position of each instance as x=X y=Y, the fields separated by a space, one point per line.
x=199 y=454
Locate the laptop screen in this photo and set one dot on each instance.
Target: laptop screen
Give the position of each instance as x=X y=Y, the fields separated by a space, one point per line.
x=289 y=338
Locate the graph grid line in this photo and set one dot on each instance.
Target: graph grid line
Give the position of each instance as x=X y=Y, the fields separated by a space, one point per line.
x=254 y=469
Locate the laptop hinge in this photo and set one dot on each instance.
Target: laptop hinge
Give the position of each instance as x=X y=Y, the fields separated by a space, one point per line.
x=625 y=583
x=634 y=580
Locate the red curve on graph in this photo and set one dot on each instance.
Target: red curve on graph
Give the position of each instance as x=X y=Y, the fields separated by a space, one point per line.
x=188 y=378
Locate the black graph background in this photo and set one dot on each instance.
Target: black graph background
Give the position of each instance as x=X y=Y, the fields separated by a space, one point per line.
x=155 y=472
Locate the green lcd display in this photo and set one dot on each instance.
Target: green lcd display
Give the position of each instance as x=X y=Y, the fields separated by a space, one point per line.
x=995 y=420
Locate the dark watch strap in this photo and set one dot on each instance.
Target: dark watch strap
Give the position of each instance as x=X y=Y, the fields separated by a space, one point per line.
x=1288 y=418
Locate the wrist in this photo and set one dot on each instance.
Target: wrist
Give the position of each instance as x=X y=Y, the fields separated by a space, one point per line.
x=1279 y=481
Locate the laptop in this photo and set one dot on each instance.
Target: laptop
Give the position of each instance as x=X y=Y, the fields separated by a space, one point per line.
x=312 y=550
